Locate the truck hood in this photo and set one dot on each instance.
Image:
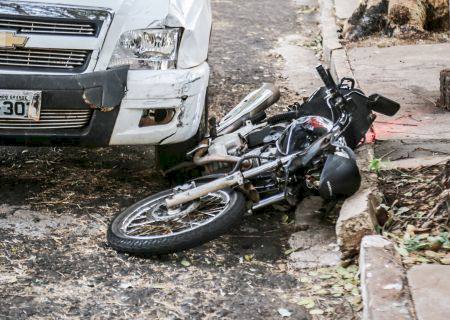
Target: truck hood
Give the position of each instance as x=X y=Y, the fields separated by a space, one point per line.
x=151 y=9
x=112 y=4
x=194 y=16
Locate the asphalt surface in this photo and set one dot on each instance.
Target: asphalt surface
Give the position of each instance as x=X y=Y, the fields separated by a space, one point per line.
x=56 y=204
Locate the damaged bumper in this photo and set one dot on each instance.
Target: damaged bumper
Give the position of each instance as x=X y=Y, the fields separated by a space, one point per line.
x=116 y=101
x=181 y=91
x=93 y=97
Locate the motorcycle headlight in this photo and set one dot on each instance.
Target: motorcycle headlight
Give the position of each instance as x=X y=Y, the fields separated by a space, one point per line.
x=153 y=49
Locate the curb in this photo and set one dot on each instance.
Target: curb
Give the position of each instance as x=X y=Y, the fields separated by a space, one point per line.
x=334 y=53
x=330 y=38
x=384 y=283
x=358 y=215
x=357 y=219
x=384 y=287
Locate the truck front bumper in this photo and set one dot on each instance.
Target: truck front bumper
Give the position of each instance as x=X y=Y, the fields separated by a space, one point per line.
x=118 y=98
x=98 y=92
x=181 y=90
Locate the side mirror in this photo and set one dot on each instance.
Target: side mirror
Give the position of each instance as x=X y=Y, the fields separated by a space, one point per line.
x=383 y=105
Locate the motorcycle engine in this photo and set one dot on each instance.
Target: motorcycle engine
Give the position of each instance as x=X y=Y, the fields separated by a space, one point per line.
x=268 y=142
x=250 y=140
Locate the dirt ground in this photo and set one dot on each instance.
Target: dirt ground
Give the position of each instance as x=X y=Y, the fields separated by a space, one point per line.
x=384 y=41
x=56 y=203
x=416 y=214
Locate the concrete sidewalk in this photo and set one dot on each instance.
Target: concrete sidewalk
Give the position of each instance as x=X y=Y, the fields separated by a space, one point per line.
x=409 y=75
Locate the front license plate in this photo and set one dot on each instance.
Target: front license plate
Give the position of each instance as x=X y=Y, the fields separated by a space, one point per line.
x=20 y=104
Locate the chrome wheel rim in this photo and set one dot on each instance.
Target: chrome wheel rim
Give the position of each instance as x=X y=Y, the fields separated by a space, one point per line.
x=153 y=220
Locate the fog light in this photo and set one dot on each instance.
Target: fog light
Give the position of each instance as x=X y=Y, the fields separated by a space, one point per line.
x=156 y=117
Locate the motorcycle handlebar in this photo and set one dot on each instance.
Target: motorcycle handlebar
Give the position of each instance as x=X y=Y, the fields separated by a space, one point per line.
x=326 y=77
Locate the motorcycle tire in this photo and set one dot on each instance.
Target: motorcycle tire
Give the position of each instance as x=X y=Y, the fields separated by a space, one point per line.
x=119 y=240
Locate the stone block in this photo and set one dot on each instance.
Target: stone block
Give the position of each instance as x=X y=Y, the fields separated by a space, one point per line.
x=357 y=219
x=383 y=281
x=430 y=290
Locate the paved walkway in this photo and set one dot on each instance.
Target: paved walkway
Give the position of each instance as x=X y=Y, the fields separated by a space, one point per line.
x=409 y=75
x=390 y=292
x=430 y=289
x=345 y=8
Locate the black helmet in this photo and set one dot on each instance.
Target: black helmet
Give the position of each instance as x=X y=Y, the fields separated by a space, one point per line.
x=340 y=175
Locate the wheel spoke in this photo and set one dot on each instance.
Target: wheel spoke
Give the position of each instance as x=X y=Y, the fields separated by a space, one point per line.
x=132 y=225
x=207 y=213
x=154 y=220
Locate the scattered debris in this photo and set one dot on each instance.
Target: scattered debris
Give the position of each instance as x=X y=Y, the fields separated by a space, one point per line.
x=328 y=290
x=285 y=313
x=185 y=263
x=417 y=212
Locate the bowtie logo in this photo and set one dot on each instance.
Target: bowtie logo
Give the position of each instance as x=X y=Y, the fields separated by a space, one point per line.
x=9 y=40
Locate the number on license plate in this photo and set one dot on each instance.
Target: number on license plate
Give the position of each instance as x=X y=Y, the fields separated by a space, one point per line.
x=16 y=108
x=20 y=104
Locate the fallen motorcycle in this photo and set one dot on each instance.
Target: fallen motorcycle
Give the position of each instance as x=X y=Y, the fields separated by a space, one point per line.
x=251 y=161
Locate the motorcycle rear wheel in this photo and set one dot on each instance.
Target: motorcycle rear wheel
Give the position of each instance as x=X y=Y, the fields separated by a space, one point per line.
x=148 y=228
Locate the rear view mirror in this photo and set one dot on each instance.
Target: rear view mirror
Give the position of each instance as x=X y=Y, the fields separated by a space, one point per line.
x=383 y=105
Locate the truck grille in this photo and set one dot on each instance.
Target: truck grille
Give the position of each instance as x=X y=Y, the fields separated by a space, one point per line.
x=52 y=119
x=32 y=58
x=52 y=27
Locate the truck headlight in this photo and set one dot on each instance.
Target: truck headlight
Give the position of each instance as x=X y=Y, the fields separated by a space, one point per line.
x=154 y=49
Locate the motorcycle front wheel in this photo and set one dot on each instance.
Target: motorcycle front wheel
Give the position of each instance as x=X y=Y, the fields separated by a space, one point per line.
x=149 y=228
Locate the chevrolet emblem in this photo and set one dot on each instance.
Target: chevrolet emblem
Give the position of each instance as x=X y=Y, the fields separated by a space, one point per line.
x=9 y=40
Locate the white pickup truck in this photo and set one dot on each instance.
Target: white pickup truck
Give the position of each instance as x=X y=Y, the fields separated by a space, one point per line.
x=103 y=72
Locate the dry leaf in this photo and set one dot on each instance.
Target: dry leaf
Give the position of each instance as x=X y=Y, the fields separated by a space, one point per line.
x=285 y=313
x=185 y=263
x=316 y=312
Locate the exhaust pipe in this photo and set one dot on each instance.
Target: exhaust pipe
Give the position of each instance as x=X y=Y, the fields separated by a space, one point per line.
x=267 y=202
x=252 y=105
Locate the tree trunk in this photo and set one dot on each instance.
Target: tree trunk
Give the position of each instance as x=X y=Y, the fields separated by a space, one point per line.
x=444 y=101
x=411 y=13
x=397 y=18
x=438 y=18
x=369 y=18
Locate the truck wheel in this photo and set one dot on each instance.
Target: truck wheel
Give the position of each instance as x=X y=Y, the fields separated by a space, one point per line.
x=168 y=156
